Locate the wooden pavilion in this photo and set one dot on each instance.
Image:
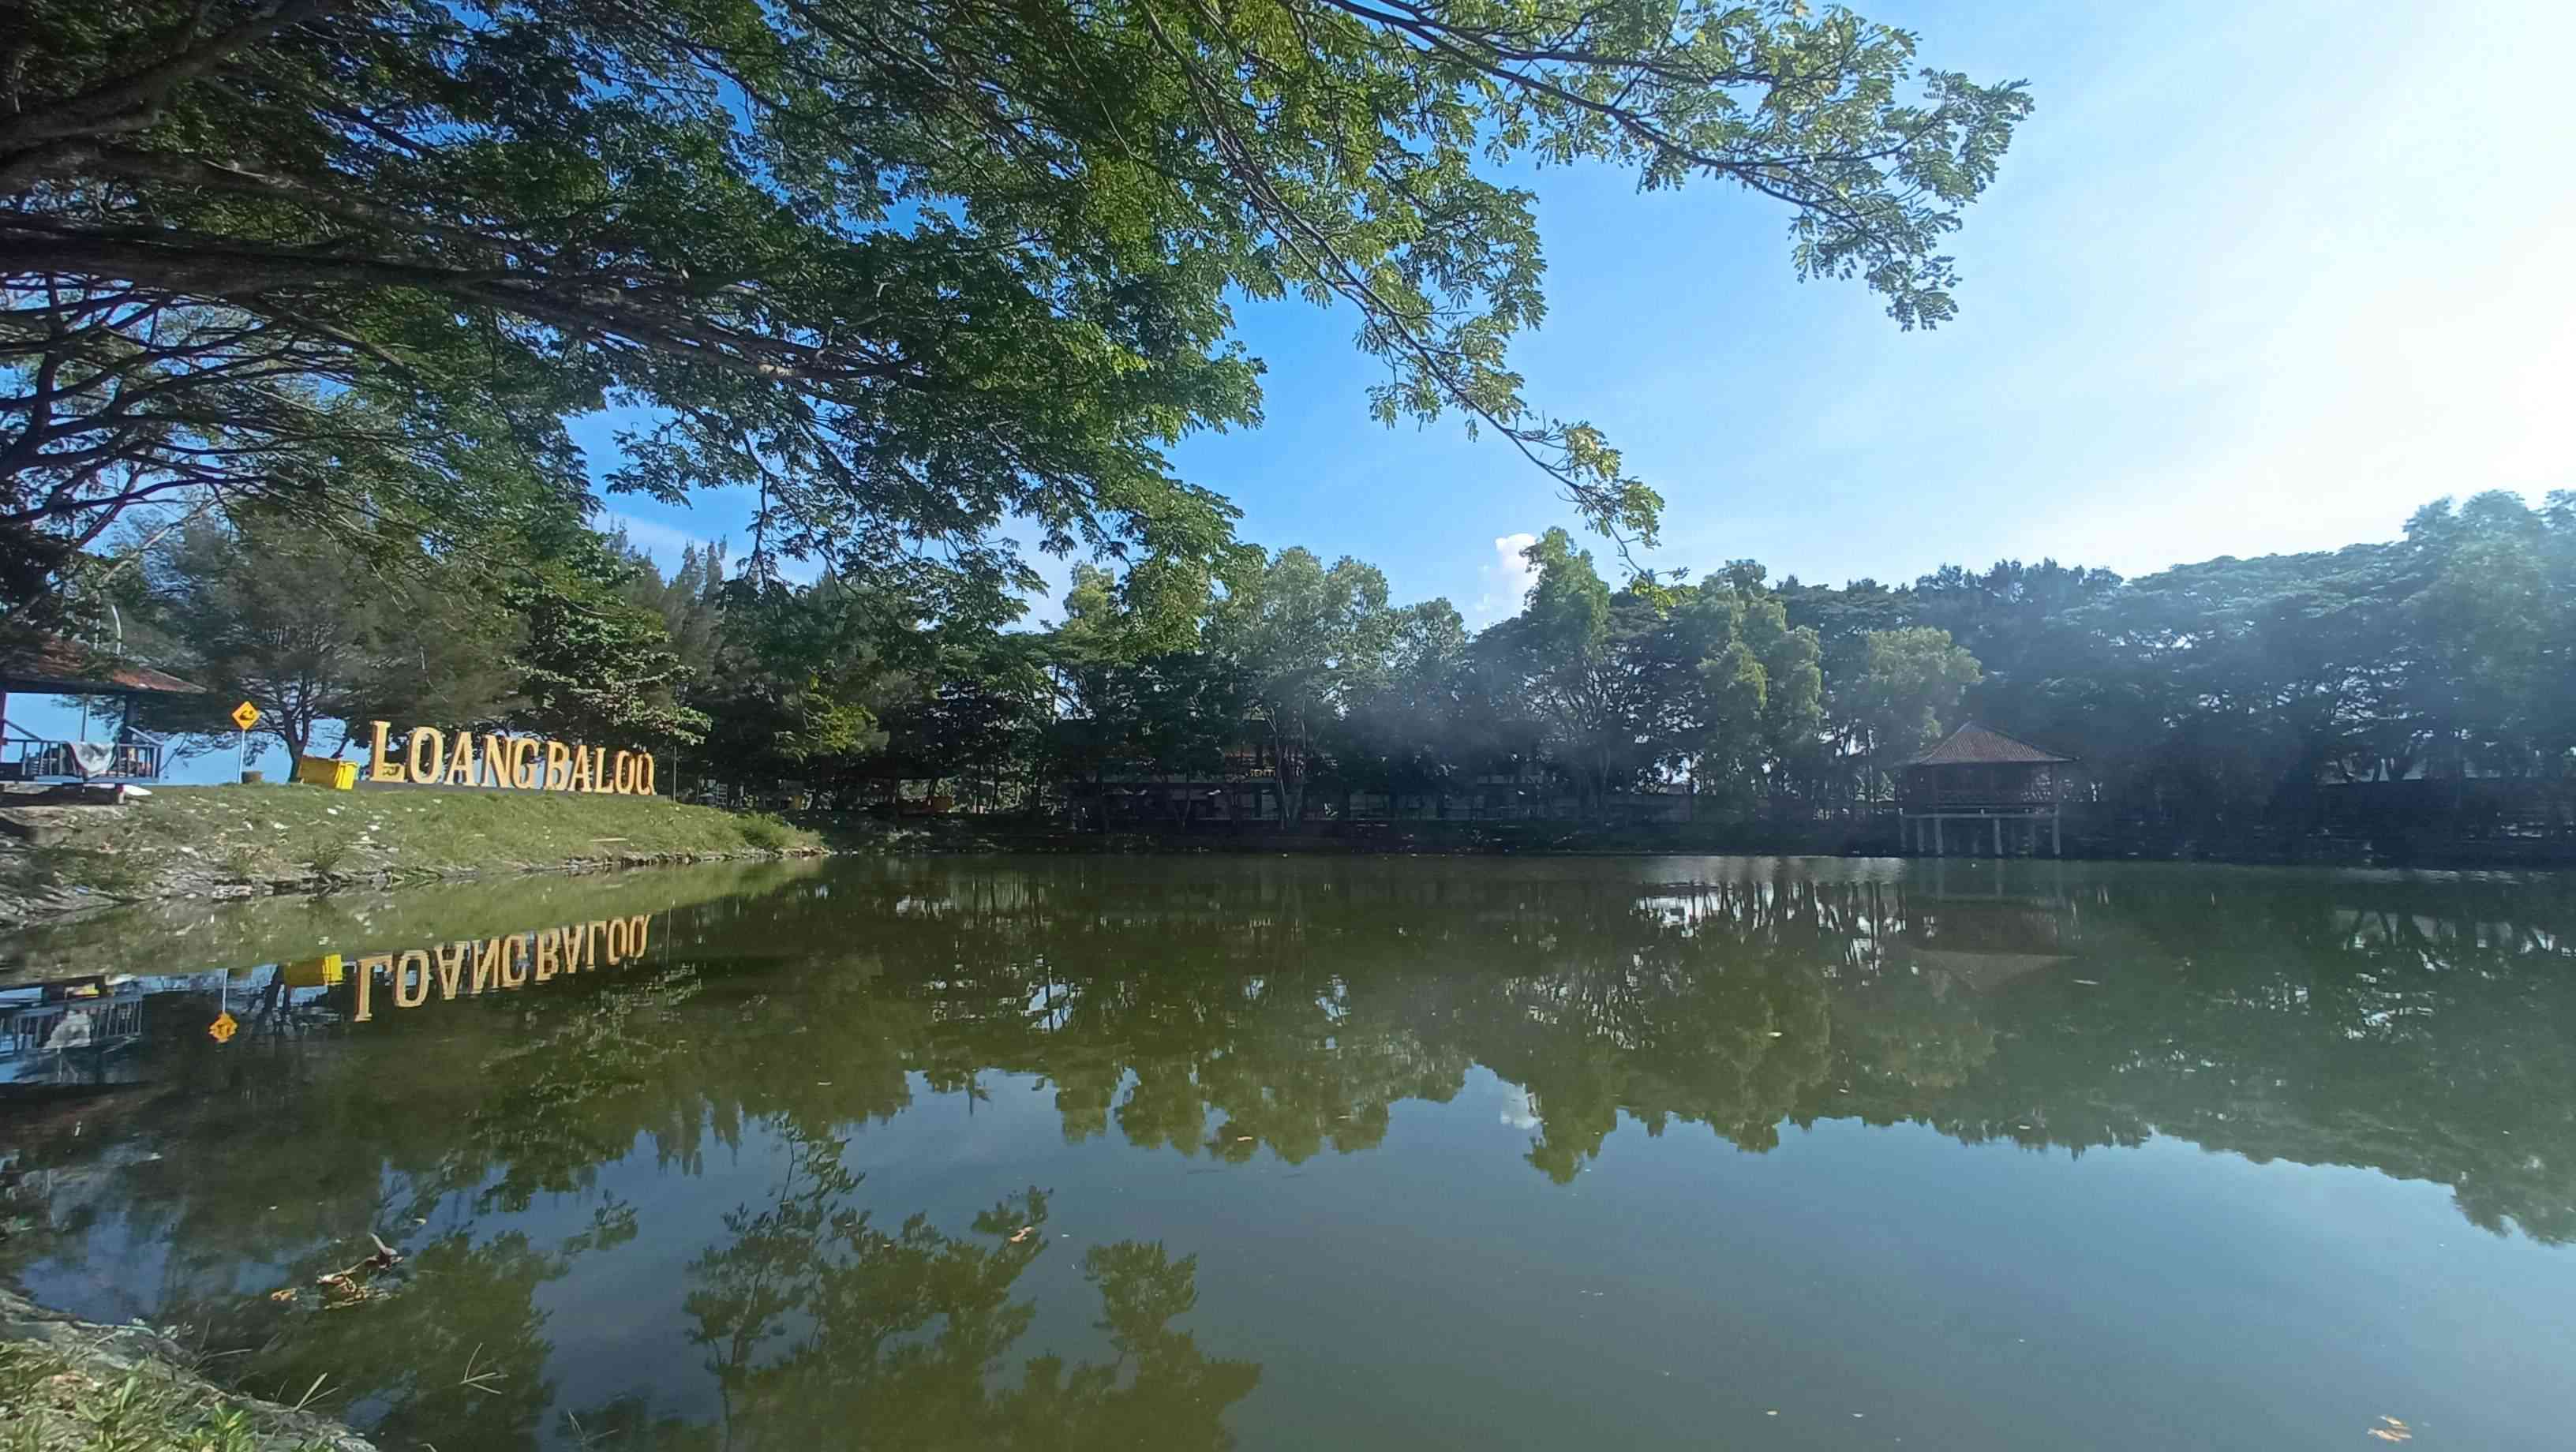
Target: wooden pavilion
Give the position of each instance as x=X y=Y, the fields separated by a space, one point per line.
x=52 y=666
x=1979 y=776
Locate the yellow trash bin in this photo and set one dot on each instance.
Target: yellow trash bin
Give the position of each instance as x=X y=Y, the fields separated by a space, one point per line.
x=327 y=771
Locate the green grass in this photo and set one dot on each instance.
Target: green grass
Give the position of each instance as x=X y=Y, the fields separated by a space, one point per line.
x=287 y=831
x=328 y=855
x=53 y=1399
x=112 y=873
x=246 y=861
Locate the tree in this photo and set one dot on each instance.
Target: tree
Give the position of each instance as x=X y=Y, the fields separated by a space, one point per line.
x=318 y=631
x=2488 y=617
x=595 y=665
x=2230 y=684
x=801 y=680
x=907 y=270
x=1581 y=660
x=1755 y=691
x=977 y=716
x=1133 y=688
x=1409 y=732
x=1309 y=642
x=691 y=603
x=1910 y=684
x=2022 y=623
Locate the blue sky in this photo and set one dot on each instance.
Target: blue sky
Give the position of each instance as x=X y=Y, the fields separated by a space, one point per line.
x=2254 y=278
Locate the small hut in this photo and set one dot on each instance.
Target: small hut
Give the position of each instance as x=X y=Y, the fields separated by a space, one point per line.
x=52 y=666
x=1978 y=776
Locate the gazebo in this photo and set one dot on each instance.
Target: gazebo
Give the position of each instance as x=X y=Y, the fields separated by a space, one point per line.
x=52 y=666
x=1979 y=775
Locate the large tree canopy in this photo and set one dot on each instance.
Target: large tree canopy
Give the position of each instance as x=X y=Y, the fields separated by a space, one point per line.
x=907 y=268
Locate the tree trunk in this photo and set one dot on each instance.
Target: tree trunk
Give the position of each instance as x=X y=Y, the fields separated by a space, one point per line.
x=1288 y=759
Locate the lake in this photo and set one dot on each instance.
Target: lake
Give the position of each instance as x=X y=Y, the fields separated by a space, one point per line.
x=1353 y=1152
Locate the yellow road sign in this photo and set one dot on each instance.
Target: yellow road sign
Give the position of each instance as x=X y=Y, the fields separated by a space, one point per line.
x=221 y=1030
x=245 y=715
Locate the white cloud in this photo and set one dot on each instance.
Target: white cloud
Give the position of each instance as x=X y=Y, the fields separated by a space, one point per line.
x=1507 y=580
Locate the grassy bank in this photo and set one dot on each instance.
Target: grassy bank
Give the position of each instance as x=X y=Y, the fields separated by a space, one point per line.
x=241 y=841
x=68 y=1386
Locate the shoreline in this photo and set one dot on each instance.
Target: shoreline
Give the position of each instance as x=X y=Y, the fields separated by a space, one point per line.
x=63 y=1379
x=207 y=847
x=967 y=836
x=61 y=905
x=249 y=842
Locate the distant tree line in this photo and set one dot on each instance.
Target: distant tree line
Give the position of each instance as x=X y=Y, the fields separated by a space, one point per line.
x=2228 y=689
x=2232 y=689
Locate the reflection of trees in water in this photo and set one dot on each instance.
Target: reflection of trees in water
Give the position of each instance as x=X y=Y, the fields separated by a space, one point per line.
x=2424 y=1029
x=824 y=1329
x=2421 y=1027
x=265 y=1171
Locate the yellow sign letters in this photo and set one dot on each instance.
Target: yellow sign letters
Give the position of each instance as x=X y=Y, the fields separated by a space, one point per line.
x=430 y=757
x=511 y=961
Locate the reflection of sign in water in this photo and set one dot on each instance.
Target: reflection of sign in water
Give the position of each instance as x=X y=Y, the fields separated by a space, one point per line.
x=322 y=972
x=223 y=1028
x=471 y=966
x=428 y=756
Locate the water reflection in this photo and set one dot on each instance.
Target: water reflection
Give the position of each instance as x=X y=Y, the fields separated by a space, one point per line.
x=546 y=1114
x=825 y=1329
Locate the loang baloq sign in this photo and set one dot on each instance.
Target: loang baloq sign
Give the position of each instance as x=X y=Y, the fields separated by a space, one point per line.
x=427 y=756
x=508 y=962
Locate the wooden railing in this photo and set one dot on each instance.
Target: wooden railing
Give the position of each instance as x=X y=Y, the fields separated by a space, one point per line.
x=41 y=760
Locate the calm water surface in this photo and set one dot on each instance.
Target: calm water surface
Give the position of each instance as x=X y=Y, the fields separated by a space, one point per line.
x=1354 y=1153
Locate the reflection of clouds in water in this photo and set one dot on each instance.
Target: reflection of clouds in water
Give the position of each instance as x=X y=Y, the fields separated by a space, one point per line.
x=1517 y=1109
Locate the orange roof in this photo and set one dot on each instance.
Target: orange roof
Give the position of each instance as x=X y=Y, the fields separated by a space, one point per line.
x=57 y=665
x=1975 y=745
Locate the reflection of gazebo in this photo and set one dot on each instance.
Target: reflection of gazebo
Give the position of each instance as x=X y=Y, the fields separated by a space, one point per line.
x=1978 y=774
x=1983 y=972
x=43 y=1024
x=1982 y=944
x=56 y=667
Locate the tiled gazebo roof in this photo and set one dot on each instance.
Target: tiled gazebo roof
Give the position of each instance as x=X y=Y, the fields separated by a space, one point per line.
x=1975 y=745
x=55 y=665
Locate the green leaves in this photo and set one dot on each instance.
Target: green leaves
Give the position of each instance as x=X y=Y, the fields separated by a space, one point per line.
x=906 y=271
x=594 y=665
